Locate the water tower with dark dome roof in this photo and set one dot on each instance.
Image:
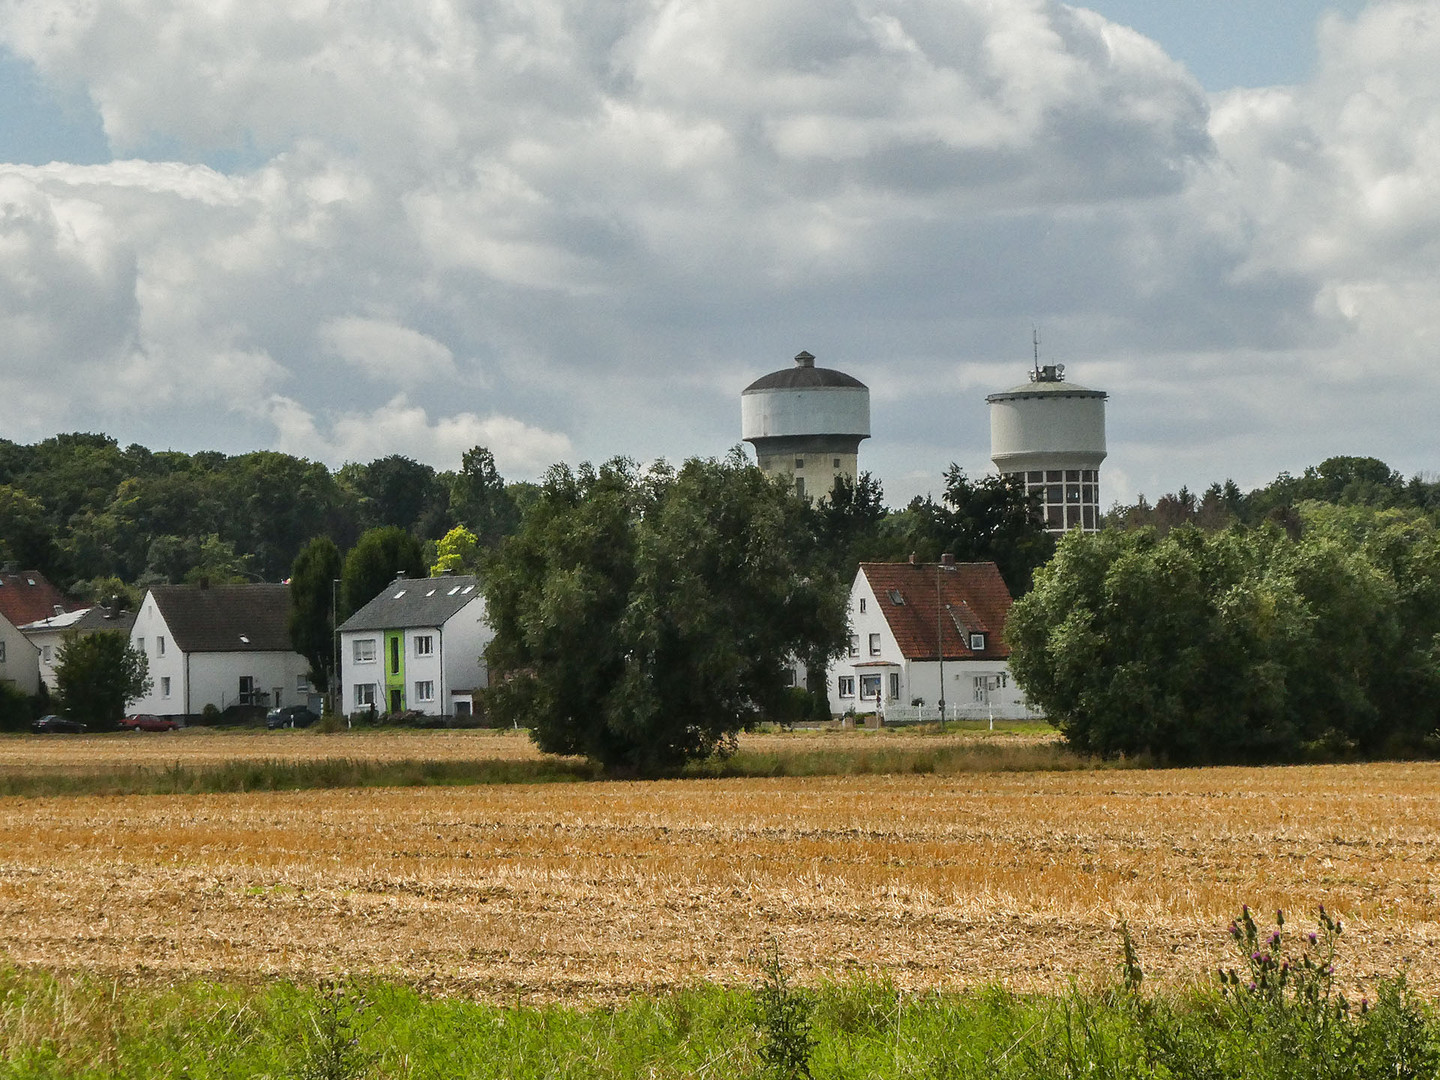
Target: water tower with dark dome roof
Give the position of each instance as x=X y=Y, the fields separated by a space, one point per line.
x=806 y=422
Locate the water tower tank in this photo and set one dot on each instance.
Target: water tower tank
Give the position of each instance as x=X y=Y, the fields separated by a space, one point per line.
x=1050 y=434
x=806 y=422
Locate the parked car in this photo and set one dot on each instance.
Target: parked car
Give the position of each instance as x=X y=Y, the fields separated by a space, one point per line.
x=54 y=725
x=290 y=716
x=149 y=722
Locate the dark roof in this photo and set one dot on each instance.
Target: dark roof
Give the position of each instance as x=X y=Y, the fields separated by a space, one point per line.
x=408 y=602
x=26 y=597
x=226 y=618
x=100 y=617
x=805 y=376
x=975 y=598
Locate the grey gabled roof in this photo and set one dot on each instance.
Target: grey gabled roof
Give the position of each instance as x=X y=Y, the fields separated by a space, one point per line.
x=408 y=602
x=226 y=618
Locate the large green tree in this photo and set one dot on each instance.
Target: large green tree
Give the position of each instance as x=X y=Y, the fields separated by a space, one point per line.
x=313 y=601
x=643 y=618
x=374 y=561
x=480 y=500
x=1233 y=645
x=98 y=674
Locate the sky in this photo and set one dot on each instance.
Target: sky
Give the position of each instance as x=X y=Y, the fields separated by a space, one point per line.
x=569 y=231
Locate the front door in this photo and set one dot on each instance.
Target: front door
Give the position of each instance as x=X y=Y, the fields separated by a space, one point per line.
x=394 y=699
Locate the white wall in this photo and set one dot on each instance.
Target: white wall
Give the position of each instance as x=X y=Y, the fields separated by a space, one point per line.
x=455 y=667
x=215 y=677
x=21 y=665
x=148 y=631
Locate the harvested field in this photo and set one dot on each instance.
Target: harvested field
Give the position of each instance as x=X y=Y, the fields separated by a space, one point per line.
x=592 y=891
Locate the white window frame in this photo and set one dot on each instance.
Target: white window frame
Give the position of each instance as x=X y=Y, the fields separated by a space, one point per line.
x=45 y=653
x=140 y=644
x=302 y=684
x=424 y=644
x=164 y=686
x=870 y=682
x=854 y=644
x=424 y=690
x=2 y=652
x=845 y=686
x=159 y=644
x=364 y=694
x=874 y=644
x=364 y=651
x=977 y=642
x=894 y=685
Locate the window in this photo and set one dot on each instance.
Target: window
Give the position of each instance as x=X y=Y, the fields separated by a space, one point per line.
x=788 y=676
x=2 y=652
x=894 y=685
x=247 y=690
x=846 y=685
x=159 y=646
x=424 y=690
x=365 y=650
x=977 y=642
x=45 y=653
x=365 y=693
x=800 y=486
x=302 y=684
x=394 y=656
x=425 y=645
x=165 y=686
x=896 y=598
x=462 y=707
x=862 y=605
x=854 y=645
x=874 y=644
x=836 y=463
x=140 y=644
x=870 y=687
x=799 y=463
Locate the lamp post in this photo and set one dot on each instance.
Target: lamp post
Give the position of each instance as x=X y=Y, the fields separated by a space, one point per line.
x=337 y=704
x=947 y=562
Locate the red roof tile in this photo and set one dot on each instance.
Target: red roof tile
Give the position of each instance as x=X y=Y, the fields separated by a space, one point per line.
x=26 y=597
x=975 y=600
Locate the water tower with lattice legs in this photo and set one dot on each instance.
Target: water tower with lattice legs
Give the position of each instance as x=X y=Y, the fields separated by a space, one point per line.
x=1050 y=435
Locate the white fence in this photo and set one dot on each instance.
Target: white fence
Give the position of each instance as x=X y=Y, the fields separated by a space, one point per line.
x=895 y=714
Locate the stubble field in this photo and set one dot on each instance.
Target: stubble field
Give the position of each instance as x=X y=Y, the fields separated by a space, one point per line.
x=590 y=891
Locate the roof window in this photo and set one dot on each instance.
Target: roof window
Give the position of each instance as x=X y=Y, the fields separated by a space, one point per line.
x=245 y=638
x=454 y=589
x=430 y=593
x=896 y=598
x=467 y=590
x=398 y=595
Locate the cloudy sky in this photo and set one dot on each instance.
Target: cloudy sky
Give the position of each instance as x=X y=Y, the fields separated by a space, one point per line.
x=567 y=230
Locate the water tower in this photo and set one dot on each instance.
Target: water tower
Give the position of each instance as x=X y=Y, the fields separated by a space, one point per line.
x=1050 y=435
x=806 y=422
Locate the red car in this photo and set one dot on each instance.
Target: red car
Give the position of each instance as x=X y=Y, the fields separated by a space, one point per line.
x=148 y=722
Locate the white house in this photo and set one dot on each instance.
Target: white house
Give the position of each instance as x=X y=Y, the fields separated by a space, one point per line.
x=48 y=635
x=19 y=659
x=218 y=645
x=417 y=646
x=916 y=623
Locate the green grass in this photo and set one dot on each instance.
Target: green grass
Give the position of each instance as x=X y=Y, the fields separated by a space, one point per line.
x=61 y=1026
x=339 y=772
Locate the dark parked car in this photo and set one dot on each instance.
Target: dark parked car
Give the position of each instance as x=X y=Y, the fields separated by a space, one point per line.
x=290 y=716
x=148 y=722
x=52 y=725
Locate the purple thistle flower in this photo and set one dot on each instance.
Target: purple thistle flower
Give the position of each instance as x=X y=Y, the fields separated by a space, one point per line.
x=1313 y=939
x=1275 y=939
x=1253 y=988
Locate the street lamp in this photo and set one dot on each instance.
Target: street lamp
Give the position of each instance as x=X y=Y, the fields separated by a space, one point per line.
x=947 y=562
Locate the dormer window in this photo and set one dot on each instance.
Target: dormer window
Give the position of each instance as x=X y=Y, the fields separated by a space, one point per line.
x=977 y=642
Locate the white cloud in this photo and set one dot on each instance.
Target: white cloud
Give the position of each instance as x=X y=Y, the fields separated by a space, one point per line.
x=384 y=350
x=401 y=428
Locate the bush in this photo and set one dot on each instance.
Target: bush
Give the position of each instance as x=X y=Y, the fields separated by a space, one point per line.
x=16 y=710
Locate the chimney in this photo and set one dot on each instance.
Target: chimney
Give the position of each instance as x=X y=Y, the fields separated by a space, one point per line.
x=59 y=609
x=947 y=559
x=912 y=558
x=399 y=574
x=804 y=359
x=112 y=609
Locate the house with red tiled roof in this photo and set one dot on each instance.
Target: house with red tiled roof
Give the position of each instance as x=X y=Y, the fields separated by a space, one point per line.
x=27 y=597
x=19 y=660
x=927 y=634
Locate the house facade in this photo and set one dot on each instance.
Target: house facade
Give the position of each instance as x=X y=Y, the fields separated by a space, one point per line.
x=19 y=659
x=218 y=645
x=923 y=633
x=418 y=646
x=48 y=635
